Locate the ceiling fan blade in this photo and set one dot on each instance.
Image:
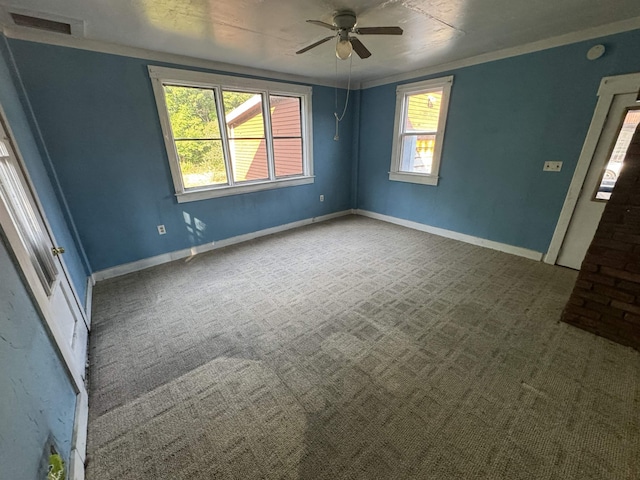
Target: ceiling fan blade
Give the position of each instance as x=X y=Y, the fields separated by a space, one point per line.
x=323 y=24
x=313 y=45
x=378 y=31
x=359 y=48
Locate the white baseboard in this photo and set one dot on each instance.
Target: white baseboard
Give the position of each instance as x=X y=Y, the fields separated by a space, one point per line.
x=482 y=242
x=79 y=437
x=189 y=252
x=76 y=467
x=88 y=300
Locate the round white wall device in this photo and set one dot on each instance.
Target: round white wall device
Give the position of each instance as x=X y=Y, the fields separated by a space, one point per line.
x=595 y=52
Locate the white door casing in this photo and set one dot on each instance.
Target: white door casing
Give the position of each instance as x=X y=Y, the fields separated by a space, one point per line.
x=587 y=213
x=32 y=243
x=610 y=87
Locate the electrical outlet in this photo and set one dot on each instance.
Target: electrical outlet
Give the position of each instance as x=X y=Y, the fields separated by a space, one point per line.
x=552 y=166
x=161 y=230
x=322 y=198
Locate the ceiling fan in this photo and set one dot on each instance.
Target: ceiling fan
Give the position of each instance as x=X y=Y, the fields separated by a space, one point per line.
x=344 y=23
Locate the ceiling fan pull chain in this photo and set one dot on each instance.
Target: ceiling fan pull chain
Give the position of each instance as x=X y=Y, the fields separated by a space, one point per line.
x=346 y=101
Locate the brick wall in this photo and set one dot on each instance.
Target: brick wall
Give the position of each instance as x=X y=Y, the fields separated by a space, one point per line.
x=606 y=297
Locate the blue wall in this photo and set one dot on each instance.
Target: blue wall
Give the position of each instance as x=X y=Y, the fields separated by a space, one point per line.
x=506 y=118
x=40 y=170
x=100 y=123
x=37 y=401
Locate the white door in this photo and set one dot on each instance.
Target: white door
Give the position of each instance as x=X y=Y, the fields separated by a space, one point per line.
x=603 y=172
x=39 y=257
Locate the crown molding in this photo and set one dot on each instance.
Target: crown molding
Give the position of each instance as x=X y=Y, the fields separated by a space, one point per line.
x=31 y=35
x=566 y=39
x=22 y=33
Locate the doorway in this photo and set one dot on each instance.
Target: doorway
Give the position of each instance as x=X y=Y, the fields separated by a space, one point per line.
x=39 y=260
x=601 y=178
x=45 y=273
x=614 y=120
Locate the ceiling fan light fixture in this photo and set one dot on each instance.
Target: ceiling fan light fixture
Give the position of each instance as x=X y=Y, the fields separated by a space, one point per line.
x=344 y=49
x=344 y=24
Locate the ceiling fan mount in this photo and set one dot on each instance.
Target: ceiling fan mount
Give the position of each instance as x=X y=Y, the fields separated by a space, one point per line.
x=345 y=20
x=344 y=24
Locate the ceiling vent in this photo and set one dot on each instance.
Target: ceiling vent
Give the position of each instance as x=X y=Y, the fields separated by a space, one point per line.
x=40 y=23
x=12 y=17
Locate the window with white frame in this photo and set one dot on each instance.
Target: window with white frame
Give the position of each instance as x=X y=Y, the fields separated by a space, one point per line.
x=229 y=135
x=421 y=116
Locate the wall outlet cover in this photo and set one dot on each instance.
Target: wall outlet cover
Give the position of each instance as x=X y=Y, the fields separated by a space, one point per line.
x=552 y=166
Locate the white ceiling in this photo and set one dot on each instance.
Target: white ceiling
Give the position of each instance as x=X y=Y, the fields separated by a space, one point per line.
x=265 y=34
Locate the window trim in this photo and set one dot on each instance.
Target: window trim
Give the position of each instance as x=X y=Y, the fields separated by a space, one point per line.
x=189 y=78
x=402 y=91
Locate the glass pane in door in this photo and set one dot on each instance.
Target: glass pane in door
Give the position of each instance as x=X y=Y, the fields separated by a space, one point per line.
x=614 y=164
x=30 y=230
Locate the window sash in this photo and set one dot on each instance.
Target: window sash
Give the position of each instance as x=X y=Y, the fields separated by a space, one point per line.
x=405 y=138
x=405 y=111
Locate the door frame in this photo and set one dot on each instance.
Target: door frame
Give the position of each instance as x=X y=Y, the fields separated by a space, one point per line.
x=33 y=285
x=609 y=88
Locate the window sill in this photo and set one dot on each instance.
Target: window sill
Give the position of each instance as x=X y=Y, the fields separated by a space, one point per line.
x=414 y=178
x=225 y=191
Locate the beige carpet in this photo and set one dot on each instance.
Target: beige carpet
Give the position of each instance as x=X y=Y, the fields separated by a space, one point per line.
x=355 y=349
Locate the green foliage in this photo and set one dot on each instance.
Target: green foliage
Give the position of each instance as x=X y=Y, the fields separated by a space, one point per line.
x=194 y=122
x=56 y=468
x=192 y=112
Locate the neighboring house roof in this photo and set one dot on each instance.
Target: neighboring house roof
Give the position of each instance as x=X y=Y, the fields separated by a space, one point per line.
x=248 y=110
x=244 y=112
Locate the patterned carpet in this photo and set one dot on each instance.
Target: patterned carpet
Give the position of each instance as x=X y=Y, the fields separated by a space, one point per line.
x=355 y=349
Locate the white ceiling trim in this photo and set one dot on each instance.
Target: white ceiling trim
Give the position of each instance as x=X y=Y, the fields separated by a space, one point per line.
x=567 y=39
x=32 y=35
x=21 y=33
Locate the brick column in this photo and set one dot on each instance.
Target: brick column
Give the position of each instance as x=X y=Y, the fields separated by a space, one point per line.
x=606 y=297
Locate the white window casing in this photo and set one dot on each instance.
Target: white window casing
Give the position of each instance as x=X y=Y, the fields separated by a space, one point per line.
x=161 y=76
x=402 y=93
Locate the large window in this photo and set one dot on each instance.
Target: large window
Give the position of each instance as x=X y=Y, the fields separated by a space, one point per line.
x=421 y=115
x=229 y=135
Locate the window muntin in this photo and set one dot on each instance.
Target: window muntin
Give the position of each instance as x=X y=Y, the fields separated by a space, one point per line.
x=228 y=135
x=421 y=110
